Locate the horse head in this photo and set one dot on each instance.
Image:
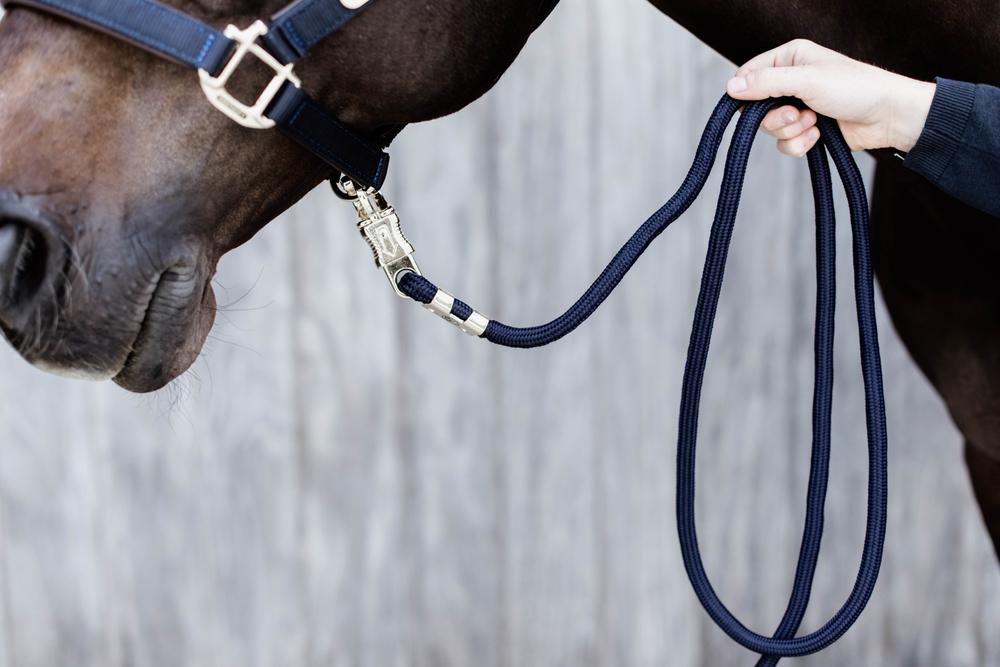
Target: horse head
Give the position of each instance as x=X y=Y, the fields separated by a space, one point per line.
x=121 y=187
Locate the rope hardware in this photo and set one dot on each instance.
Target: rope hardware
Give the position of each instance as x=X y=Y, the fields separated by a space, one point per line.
x=380 y=227
x=293 y=31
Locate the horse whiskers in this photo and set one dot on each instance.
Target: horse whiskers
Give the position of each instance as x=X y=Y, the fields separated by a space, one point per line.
x=230 y=343
x=229 y=306
x=42 y=335
x=179 y=390
x=249 y=309
x=75 y=268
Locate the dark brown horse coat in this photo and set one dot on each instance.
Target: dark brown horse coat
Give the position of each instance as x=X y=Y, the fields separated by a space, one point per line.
x=132 y=191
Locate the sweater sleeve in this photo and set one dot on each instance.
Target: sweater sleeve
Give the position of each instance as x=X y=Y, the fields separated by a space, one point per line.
x=959 y=148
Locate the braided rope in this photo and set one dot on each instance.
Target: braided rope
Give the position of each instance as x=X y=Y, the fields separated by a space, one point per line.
x=784 y=642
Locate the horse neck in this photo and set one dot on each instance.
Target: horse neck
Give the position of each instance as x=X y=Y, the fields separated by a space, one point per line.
x=951 y=38
x=405 y=61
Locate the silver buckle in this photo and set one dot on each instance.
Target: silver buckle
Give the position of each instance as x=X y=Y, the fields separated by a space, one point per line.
x=215 y=87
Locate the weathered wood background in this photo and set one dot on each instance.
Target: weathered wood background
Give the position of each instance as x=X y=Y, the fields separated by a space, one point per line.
x=345 y=481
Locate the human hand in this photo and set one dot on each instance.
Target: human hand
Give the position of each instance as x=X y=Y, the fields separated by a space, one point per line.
x=875 y=108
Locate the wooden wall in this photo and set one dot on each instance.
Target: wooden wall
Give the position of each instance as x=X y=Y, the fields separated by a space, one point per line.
x=345 y=481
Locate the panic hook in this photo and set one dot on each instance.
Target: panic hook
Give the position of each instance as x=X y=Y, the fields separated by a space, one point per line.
x=379 y=226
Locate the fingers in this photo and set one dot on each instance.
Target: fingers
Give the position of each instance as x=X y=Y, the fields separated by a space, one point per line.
x=783 y=56
x=800 y=145
x=795 y=130
x=773 y=82
x=787 y=122
x=791 y=54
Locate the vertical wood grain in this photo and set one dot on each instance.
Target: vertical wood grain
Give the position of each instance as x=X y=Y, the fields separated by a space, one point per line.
x=345 y=481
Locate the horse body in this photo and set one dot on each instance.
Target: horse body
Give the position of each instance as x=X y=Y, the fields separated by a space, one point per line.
x=125 y=187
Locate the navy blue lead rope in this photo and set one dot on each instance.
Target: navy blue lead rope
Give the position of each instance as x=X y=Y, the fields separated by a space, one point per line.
x=784 y=642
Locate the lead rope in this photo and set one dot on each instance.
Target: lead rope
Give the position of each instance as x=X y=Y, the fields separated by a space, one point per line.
x=379 y=225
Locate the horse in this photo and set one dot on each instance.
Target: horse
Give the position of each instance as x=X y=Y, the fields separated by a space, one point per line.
x=120 y=189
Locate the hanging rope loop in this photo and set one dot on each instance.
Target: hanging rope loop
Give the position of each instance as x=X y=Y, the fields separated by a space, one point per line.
x=784 y=642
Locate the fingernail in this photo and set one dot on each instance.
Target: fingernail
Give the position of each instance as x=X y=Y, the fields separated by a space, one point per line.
x=738 y=84
x=790 y=116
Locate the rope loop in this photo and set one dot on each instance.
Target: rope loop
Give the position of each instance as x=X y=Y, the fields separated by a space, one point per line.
x=784 y=642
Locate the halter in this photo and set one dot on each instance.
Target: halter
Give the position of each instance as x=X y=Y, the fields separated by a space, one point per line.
x=362 y=163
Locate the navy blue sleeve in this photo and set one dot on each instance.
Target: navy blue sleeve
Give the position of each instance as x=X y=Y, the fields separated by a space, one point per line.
x=959 y=148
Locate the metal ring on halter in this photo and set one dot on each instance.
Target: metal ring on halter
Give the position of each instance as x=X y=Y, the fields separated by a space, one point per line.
x=339 y=189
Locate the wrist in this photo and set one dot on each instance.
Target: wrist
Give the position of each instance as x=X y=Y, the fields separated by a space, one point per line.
x=909 y=108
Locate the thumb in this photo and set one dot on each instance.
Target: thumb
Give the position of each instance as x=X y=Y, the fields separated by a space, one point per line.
x=773 y=82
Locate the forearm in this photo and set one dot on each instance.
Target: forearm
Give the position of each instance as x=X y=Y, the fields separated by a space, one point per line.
x=959 y=147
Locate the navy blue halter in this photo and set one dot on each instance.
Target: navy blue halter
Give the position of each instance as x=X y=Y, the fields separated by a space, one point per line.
x=292 y=32
x=180 y=38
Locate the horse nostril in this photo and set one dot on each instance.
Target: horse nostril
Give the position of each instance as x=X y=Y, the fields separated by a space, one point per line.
x=24 y=255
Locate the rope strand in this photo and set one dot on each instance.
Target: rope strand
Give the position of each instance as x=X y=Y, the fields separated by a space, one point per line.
x=784 y=642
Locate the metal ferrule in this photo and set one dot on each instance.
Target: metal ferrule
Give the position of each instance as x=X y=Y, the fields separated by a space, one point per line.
x=379 y=226
x=442 y=304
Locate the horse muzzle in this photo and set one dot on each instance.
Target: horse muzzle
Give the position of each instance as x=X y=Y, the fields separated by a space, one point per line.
x=103 y=304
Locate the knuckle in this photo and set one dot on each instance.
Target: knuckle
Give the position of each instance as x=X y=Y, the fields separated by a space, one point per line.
x=789 y=132
x=772 y=121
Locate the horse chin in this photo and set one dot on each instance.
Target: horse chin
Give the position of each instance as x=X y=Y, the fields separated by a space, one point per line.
x=174 y=327
x=151 y=339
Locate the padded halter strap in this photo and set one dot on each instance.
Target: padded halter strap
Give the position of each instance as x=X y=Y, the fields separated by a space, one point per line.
x=305 y=23
x=159 y=29
x=177 y=37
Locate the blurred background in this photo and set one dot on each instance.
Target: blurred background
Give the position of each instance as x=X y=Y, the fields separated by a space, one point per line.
x=343 y=480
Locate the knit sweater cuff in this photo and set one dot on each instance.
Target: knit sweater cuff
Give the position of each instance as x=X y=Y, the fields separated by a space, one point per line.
x=942 y=134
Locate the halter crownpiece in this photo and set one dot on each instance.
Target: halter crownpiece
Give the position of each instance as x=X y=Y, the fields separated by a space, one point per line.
x=362 y=163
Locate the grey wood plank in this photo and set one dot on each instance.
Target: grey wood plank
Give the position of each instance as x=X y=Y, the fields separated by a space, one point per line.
x=347 y=481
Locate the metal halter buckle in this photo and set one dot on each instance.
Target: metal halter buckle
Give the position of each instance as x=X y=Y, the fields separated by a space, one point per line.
x=379 y=226
x=215 y=87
